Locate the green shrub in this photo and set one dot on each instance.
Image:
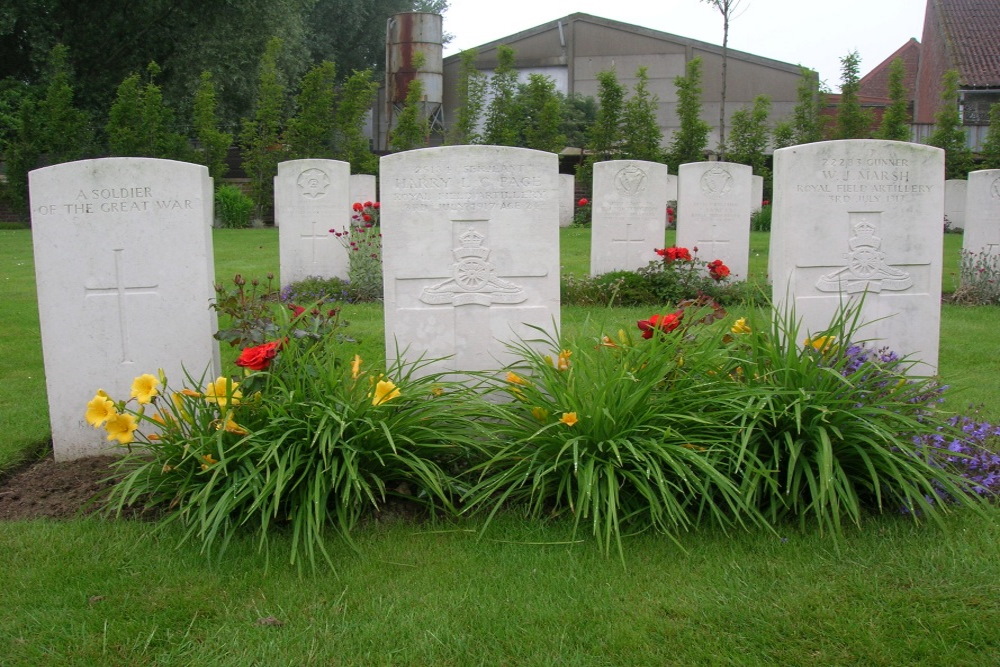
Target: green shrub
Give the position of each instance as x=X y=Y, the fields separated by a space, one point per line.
x=979 y=282
x=760 y=220
x=232 y=207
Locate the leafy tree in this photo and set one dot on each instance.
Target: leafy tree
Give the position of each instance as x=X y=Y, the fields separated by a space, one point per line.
x=991 y=146
x=606 y=134
x=261 y=135
x=141 y=124
x=748 y=140
x=783 y=135
x=413 y=128
x=853 y=122
x=807 y=124
x=539 y=112
x=895 y=124
x=579 y=113
x=728 y=10
x=641 y=133
x=691 y=138
x=310 y=131
x=948 y=133
x=213 y=143
x=471 y=89
x=357 y=95
x=501 y=128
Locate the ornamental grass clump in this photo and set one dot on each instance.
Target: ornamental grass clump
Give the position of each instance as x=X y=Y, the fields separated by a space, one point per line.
x=614 y=432
x=828 y=428
x=306 y=442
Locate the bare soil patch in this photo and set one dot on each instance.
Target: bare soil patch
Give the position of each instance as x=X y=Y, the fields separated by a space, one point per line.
x=47 y=489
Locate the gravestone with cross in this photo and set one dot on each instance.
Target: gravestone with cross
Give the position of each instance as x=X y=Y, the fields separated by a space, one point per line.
x=859 y=221
x=628 y=219
x=982 y=218
x=124 y=272
x=714 y=202
x=470 y=253
x=311 y=197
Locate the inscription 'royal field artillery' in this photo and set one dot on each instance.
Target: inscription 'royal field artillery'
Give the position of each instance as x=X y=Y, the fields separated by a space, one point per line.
x=470 y=253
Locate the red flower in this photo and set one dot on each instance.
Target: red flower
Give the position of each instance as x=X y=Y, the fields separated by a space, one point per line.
x=664 y=323
x=375 y=206
x=766 y=202
x=259 y=357
x=296 y=310
x=358 y=207
x=674 y=253
x=366 y=217
x=368 y=204
x=583 y=202
x=717 y=269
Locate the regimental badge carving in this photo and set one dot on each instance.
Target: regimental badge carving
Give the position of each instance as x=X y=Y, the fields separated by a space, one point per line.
x=995 y=189
x=474 y=278
x=716 y=182
x=630 y=181
x=313 y=183
x=866 y=270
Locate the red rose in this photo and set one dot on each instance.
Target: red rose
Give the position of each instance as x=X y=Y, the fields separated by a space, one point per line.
x=717 y=269
x=296 y=310
x=375 y=206
x=366 y=217
x=358 y=207
x=674 y=253
x=259 y=357
x=583 y=202
x=368 y=204
x=664 y=323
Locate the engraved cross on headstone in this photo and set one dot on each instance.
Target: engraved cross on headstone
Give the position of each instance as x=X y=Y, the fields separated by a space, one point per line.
x=713 y=247
x=121 y=291
x=635 y=248
x=312 y=240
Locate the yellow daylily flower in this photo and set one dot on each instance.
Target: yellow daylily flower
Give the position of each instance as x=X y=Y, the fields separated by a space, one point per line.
x=152 y=437
x=232 y=427
x=740 y=326
x=100 y=409
x=144 y=388
x=122 y=428
x=385 y=390
x=190 y=392
x=514 y=378
x=563 y=363
x=569 y=418
x=356 y=367
x=209 y=461
x=437 y=390
x=224 y=392
x=823 y=344
x=541 y=414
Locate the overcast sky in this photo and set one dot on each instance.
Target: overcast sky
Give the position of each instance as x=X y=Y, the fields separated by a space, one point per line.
x=813 y=33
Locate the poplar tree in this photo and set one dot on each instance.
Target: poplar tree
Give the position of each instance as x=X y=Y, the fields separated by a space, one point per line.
x=991 y=146
x=853 y=122
x=948 y=133
x=605 y=137
x=262 y=134
x=749 y=136
x=895 y=124
x=501 y=128
x=642 y=136
x=140 y=124
x=691 y=138
x=213 y=143
x=412 y=128
x=806 y=120
x=310 y=130
x=357 y=95
x=539 y=112
x=471 y=89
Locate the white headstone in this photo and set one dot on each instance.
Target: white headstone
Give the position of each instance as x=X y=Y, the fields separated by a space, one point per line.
x=470 y=247
x=671 y=187
x=756 y=192
x=855 y=218
x=982 y=214
x=714 y=213
x=628 y=221
x=955 y=190
x=364 y=188
x=311 y=197
x=567 y=199
x=124 y=272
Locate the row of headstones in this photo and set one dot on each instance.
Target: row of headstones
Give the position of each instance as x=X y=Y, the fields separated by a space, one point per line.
x=124 y=260
x=970 y=205
x=630 y=199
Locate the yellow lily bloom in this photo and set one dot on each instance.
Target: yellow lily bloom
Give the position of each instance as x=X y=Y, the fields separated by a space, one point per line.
x=563 y=363
x=541 y=414
x=232 y=427
x=823 y=344
x=514 y=378
x=144 y=388
x=569 y=418
x=356 y=367
x=100 y=409
x=122 y=428
x=385 y=390
x=740 y=326
x=223 y=391
x=209 y=461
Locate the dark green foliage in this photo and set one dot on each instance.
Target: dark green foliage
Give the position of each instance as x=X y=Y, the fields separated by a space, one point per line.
x=412 y=128
x=213 y=144
x=357 y=94
x=310 y=130
x=579 y=113
x=471 y=90
x=539 y=114
x=748 y=135
x=502 y=127
x=140 y=124
x=991 y=146
x=783 y=135
x=232 y=207
x=896 y=119
x=642 y=137
x=948 y=131
x=807 y=122
x=605 y=137
x=691 y=138
x=261 y=135
x=853 y=122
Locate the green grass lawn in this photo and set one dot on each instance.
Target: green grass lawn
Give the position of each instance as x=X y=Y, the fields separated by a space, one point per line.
x=94 y=592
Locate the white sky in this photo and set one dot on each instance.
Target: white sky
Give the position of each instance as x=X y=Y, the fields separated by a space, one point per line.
x=813 y=33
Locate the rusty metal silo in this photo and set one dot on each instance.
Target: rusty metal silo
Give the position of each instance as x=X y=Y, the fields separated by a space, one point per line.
x=408 y=35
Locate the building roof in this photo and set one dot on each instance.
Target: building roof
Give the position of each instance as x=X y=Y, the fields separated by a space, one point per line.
x=876 y=82
x=971 y=32
x=639 y=30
